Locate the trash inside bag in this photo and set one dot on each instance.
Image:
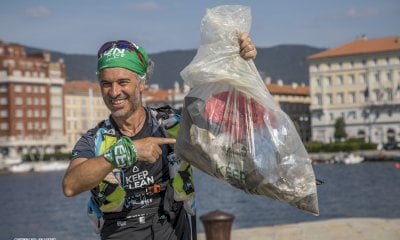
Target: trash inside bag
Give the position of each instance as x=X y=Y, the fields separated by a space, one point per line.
x=231 y=128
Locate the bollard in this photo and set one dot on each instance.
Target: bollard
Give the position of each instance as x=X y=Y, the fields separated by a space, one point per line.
x=217 y=225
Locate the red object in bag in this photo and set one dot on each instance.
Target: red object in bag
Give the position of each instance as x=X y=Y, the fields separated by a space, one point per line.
x=234 y=112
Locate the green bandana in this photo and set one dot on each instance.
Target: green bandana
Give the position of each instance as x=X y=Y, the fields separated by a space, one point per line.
x=123 y=58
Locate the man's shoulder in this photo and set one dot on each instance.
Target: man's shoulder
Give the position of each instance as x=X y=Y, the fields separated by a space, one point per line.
x=106 y=126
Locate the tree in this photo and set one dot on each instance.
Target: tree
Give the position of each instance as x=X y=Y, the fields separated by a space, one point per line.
x=340 y=129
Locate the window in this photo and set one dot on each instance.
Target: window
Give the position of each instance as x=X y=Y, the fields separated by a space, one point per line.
x=389 y=76
x=352 y=115
x=328 y=81
x=3 y=101
x=28 y=101
x=340 y=98
x=18 y=101
x=351 y=79
x=28 y=89
x=18 y=113
x=4 y=126
x=3 y=88
x=331 y=116
x=318 y=99
x=319 y=82
x=17 y=88
x=389 y=94
x=3 y=113
x=352 y=97
x=329 y=98
x=19 y=126
x=340 y=80
x=377 y=77
x=364 y=78
x=364 y=62
x=378 y=95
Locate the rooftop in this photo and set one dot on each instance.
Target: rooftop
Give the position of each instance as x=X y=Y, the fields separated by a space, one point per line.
x=361 y=46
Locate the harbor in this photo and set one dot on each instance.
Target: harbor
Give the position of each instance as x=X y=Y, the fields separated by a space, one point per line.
x=355 y=157
x=350 y=194
x=18 y=166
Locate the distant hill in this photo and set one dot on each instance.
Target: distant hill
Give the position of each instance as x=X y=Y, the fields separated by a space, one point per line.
x=286 y=62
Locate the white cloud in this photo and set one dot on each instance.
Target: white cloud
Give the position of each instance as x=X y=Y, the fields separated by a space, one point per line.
x=38 y=12
x=144 y=6
x=362 y=13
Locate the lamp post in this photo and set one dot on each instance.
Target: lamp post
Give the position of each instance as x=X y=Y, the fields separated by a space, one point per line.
x=303 y=124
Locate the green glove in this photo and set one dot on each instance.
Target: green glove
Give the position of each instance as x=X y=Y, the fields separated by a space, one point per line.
x=121 y=154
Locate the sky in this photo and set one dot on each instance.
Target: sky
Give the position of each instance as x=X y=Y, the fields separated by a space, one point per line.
x=80 y=27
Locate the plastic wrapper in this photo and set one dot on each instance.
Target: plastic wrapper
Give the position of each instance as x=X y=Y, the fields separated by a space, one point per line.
x=231 y=128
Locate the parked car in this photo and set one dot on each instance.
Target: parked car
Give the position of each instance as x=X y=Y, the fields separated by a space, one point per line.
x=391 y=146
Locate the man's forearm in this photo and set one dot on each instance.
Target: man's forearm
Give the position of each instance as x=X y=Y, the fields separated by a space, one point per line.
x=85 y=174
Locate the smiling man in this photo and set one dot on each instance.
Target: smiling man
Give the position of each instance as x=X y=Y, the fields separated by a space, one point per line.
x=123 y=161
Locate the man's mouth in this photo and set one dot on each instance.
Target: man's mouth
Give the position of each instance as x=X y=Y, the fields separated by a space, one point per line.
x=116 y=102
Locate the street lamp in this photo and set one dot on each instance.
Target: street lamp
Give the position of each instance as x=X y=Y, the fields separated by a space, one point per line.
x=303 y=124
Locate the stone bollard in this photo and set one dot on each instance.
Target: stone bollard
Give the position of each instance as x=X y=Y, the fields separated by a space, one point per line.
x=217 y=225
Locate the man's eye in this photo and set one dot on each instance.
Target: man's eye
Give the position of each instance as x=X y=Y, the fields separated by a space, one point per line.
x=105 y=84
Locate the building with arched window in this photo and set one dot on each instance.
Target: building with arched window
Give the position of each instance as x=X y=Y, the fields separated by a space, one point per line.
x=360 y=82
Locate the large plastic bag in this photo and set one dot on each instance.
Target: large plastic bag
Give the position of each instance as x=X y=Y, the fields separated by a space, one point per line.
x=231 y=128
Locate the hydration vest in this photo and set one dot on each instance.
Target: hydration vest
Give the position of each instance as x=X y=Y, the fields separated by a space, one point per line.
x=109 y=196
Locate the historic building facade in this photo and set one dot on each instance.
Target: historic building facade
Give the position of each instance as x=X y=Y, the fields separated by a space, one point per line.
x=359 y=81
x=84 y=108
x=294 y=100
x=31 y=103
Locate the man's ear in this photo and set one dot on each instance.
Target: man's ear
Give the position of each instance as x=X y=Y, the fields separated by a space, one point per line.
x=142 y=85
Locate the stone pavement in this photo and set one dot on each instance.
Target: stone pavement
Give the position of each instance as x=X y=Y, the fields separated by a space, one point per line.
x=334 y=229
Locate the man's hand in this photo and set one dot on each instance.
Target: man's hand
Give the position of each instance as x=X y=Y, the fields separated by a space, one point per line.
x=122 y=154
x=247 y=48
x=148 y=149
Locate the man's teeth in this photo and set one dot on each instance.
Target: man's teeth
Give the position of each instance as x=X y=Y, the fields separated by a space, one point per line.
x=117 y=101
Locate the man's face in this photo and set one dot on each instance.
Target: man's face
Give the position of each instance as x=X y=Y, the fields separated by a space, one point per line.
x=121 y=90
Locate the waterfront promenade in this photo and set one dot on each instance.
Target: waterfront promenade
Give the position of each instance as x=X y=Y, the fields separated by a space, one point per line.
x=334 y=229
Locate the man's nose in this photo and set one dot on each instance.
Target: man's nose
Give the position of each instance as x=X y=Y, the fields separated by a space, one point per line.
x=115 y=90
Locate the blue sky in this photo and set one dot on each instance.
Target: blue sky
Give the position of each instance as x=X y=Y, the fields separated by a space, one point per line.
x=82 y=26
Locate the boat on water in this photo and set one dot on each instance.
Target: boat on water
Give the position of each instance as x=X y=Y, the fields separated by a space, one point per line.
x=38 y=166
x=50 y=166
x=20 y=167
x=348 y=158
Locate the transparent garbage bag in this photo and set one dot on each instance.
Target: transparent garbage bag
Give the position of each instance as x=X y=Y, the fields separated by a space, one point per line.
x=231 y=128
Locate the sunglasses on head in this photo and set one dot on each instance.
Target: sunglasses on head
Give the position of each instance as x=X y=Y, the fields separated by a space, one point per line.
x=120 y=44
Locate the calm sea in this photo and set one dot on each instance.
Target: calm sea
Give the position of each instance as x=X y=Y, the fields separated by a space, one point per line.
x=32 y=204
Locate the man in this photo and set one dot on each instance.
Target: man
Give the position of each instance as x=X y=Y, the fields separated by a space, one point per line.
x=124 y=160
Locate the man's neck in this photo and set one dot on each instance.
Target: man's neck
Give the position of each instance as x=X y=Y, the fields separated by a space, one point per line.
x=133 y=124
